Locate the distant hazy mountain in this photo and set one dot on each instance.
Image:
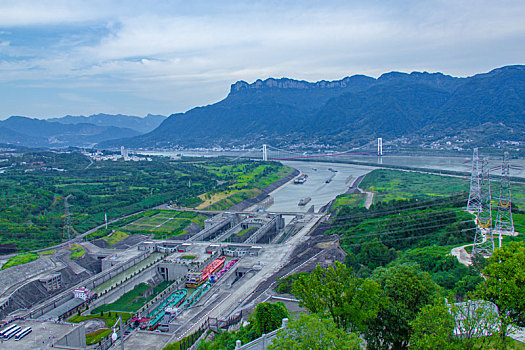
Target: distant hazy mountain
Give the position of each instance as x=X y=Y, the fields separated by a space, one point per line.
x=43 y=133
x=353 y=110
x=142 y=125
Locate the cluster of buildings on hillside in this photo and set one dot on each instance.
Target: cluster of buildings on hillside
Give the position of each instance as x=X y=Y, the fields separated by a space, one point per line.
x=124 y=154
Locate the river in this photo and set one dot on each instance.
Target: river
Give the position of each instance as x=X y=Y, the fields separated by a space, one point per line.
x=287 y=197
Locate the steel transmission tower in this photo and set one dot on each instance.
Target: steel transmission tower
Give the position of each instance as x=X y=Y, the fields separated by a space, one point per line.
x=484 y=240
x=474 y=197
x=504 y=221
x=67 y=219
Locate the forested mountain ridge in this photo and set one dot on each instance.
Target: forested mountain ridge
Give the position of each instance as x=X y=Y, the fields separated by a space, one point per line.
x=142 y=125
x=352 y=111
x=42 y=133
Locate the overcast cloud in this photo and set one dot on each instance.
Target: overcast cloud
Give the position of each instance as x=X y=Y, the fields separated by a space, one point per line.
x=162 y=57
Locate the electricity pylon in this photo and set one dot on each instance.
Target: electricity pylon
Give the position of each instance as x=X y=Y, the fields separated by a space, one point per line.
x=474 y=197
x=67 y=219
x=484 y=240
x=504 y=222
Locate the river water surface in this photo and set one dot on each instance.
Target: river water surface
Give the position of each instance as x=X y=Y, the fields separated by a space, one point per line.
x=288 y=196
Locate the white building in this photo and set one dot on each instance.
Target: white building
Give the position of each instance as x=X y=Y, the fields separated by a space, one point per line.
x=82 y=293
x=124 y=153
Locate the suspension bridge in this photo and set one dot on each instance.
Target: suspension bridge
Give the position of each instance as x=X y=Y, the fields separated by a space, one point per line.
x=271 y=153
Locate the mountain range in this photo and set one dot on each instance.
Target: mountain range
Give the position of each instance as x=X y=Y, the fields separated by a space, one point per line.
x=79 y=131
x=352 y=111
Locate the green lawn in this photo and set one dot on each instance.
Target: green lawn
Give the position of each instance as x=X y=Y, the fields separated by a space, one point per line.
x=115 y=237
x=517 y=345
x=47 y=252
x=20 y=259
x=242 y=232
x=164 y=223
x=77 y=251
x=349 y=200
x=235 y=198
x=98 y=335
x=110 y=318
x=245 y=180
x=395 y=185
x=133 y=300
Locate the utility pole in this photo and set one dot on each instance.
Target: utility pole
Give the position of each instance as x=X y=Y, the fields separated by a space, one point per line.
x=504 y=222
x=474 y=197
x=484 y=240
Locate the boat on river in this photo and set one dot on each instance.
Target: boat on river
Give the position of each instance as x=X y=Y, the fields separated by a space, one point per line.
x=304 y=201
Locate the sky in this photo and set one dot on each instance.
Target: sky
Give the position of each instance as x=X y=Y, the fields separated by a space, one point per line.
x=162 y=57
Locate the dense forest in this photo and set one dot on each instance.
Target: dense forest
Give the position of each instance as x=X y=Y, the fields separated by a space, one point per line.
x=35 y=186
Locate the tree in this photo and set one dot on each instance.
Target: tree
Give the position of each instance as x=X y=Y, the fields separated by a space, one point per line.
x=268 y=316
x=473 y=321
x=504 y=285
x=312 y=332
x=406 y=291
x=433 y=328
x=350 y=301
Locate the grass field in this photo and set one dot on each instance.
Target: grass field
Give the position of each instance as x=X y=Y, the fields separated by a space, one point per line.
x=47 y=252
x=77 y=251
x=132 y=300
x=397 y=185
x=109 y=318
x=236 y=197
x=98 y=335
x=115 y=237
x=518 y=194
x=165 y=223
x=20 y=259
x=349 y=200
x=245 y=181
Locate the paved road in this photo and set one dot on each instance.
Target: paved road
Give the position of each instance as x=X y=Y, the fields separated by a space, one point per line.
x=369 y=199
x=270 y=261
x=462 y=255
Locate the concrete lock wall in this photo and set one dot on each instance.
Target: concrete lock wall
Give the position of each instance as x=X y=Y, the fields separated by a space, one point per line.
x=173 y=271
x=91 y=283
x=74 y=339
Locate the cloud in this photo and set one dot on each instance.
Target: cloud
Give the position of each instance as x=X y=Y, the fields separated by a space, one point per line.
x=21 y=13
x=184 y=54
x=76 y=98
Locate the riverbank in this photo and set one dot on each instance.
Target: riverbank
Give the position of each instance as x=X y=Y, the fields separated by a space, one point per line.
x=265 y=192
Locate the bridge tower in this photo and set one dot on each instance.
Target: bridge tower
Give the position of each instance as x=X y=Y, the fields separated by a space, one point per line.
x=484 y=239
x=379 y=146
x=474 y=197
x=504 y=222
x=265 y=153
